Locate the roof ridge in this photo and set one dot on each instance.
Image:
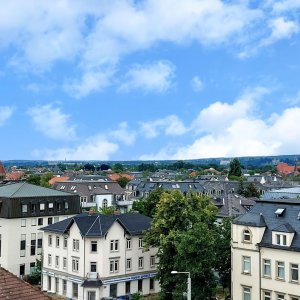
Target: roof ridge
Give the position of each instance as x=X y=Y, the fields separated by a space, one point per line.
x=18 y=189
x=92 y=225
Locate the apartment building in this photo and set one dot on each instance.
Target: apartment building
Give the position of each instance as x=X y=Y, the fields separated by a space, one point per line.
x=93 y=256
x=24 y=209
x=266 y=252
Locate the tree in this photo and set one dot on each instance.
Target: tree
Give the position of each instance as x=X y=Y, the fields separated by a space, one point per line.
x=104 y=167
x=34 y=179
x=183 y=230
x=45 y=179
x=251 y=191
x=223 y=250
x=118 y=168
x=36 y=275
x=235 y=168
x=241 y=187
x=122 y=181
x=89 y=167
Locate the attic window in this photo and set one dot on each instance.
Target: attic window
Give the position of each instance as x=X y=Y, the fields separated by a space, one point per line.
x=279 y=211
x=106 y=187
x=73 y=187
x=62 y=187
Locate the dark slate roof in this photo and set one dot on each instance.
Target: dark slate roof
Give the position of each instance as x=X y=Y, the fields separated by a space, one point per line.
x=92 y=283
x=24 y=189
x=97 y=225
x=289 y=221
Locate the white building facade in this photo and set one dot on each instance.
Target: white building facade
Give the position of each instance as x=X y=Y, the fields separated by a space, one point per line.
x=92 y=256
x=266 y=252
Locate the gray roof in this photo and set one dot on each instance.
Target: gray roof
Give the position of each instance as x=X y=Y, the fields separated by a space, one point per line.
x=24 y=189
x=97 y=225
x=263 y=215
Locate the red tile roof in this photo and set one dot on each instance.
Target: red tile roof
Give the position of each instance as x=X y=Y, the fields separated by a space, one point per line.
x=58 y=179
x=116 y=176
x=2 y=170
x=17 y=175
x=285 y=169
x=13 y=288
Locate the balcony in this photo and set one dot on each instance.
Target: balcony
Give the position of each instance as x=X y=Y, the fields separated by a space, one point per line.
x=88 y=204
x=92 y=275
x=125 y=202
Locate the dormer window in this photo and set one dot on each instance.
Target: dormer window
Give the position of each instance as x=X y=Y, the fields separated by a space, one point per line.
x=247 y=236
x=279 y=211
x=281 y=239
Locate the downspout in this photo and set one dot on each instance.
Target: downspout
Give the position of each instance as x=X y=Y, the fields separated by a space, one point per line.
x=259 y=265
x=83 y=264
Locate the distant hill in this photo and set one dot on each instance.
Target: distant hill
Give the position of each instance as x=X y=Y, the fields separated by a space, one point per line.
x=245 y=161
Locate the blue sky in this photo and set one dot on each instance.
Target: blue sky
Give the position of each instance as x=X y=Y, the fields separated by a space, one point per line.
x=152 y=79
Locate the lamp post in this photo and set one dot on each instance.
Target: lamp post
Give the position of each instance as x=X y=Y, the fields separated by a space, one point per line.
x=189 y=283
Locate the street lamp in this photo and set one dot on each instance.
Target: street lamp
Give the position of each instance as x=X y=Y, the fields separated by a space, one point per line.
x=189 y=283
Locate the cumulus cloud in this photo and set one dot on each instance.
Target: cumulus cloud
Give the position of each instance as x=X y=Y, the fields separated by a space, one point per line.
x=52 y=122
x=281 y=29
x=5 y=113
x=170 y=125
x=124 y=134
x=242 y=132
x=197 y=84
x=93 y=148
x=155 y=77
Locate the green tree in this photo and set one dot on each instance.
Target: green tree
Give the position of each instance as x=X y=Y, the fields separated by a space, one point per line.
x=251 y=191
x=235 y=168
x=122 y=181
x=118 y=168
x=183 y=230
x=223 y=250
x=34 y=179
x=107 y=210
x=45 y=179
x=241 y=187
x=36 y=275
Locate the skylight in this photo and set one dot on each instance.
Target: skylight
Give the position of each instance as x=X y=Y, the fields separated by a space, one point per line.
x=279 y=211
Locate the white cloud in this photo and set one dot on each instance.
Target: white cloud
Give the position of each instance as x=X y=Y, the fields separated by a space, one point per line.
x=170 y=125
x=5 y=113
x=93 y=148
x=123 y=134
x=294 y=100
x=285 y=5
x=155 y=77
x=281 y=29
x=52 y=122
x=242 y=132
x=197 y=84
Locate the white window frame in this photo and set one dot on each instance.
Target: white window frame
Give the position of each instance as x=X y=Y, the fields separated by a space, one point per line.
x=141 y=263
x=57 y=241
x=246 y=260
x=280 y=265
x=267 y=295
x=294 y=266
x=114 y=245
x=65 y=263
x=281 y=239
x=50 y=240
x=266 y=263
x=128 y=264
x=114 y=266
x=152 y=261
x=128 y=244
x=75 y=245
x=141 y=243
x=56 y=261
x=94 y=243
x=75 y=264
x=246 y=291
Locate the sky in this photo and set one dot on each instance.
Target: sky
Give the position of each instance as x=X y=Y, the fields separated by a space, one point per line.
x=149 y=79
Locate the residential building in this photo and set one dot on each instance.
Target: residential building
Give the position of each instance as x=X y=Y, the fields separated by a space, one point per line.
x=266 y=251
x=24 y=209
x=93 y=256
x=2 y=172
x=292 y=192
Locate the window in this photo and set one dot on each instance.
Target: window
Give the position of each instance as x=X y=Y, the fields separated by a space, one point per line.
x=294 y=272
x=280 y=270
x=266 y=295
x=141 y=262
x=56 y=284
x=75 y=245
x=75 y=290
x=91 y=295
x=33 y=208
x=113 y=290
x=0 y=244
x=104 y=203
x=32 y=267
x=140 y=285
x=24 y=208
x=50 y=240
x=64 y=263
x=280 y=297
x=83 y=199
x=75 y=264
x=295 y=298
x=114 y=245
x=49 y=259
x=114 y=266
x=50 y=221
x=128 y=244
x=49 y=283
x=62 y=187
x=246 y=236
x=267 y=267
x=64 y=286
x=56 y=261
x=39 y=243
x=33 y=244
x=128 y=264
x=57 y=241
x=65 y=242
x=33 y=222
x=281 y=239
x=247 y=264
x=58 y=206
x=141 y=243
x=151 y=285
x=66 y=205
x=23 y=222
x=40 y=221
x=23 y=245
x=152 y=261
x=22 y=270
x=93 y=266
x=246 y=293
x=50 y=206
x=94 y=246
x=127 y=287
x=42 y=207
x=55 y=219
